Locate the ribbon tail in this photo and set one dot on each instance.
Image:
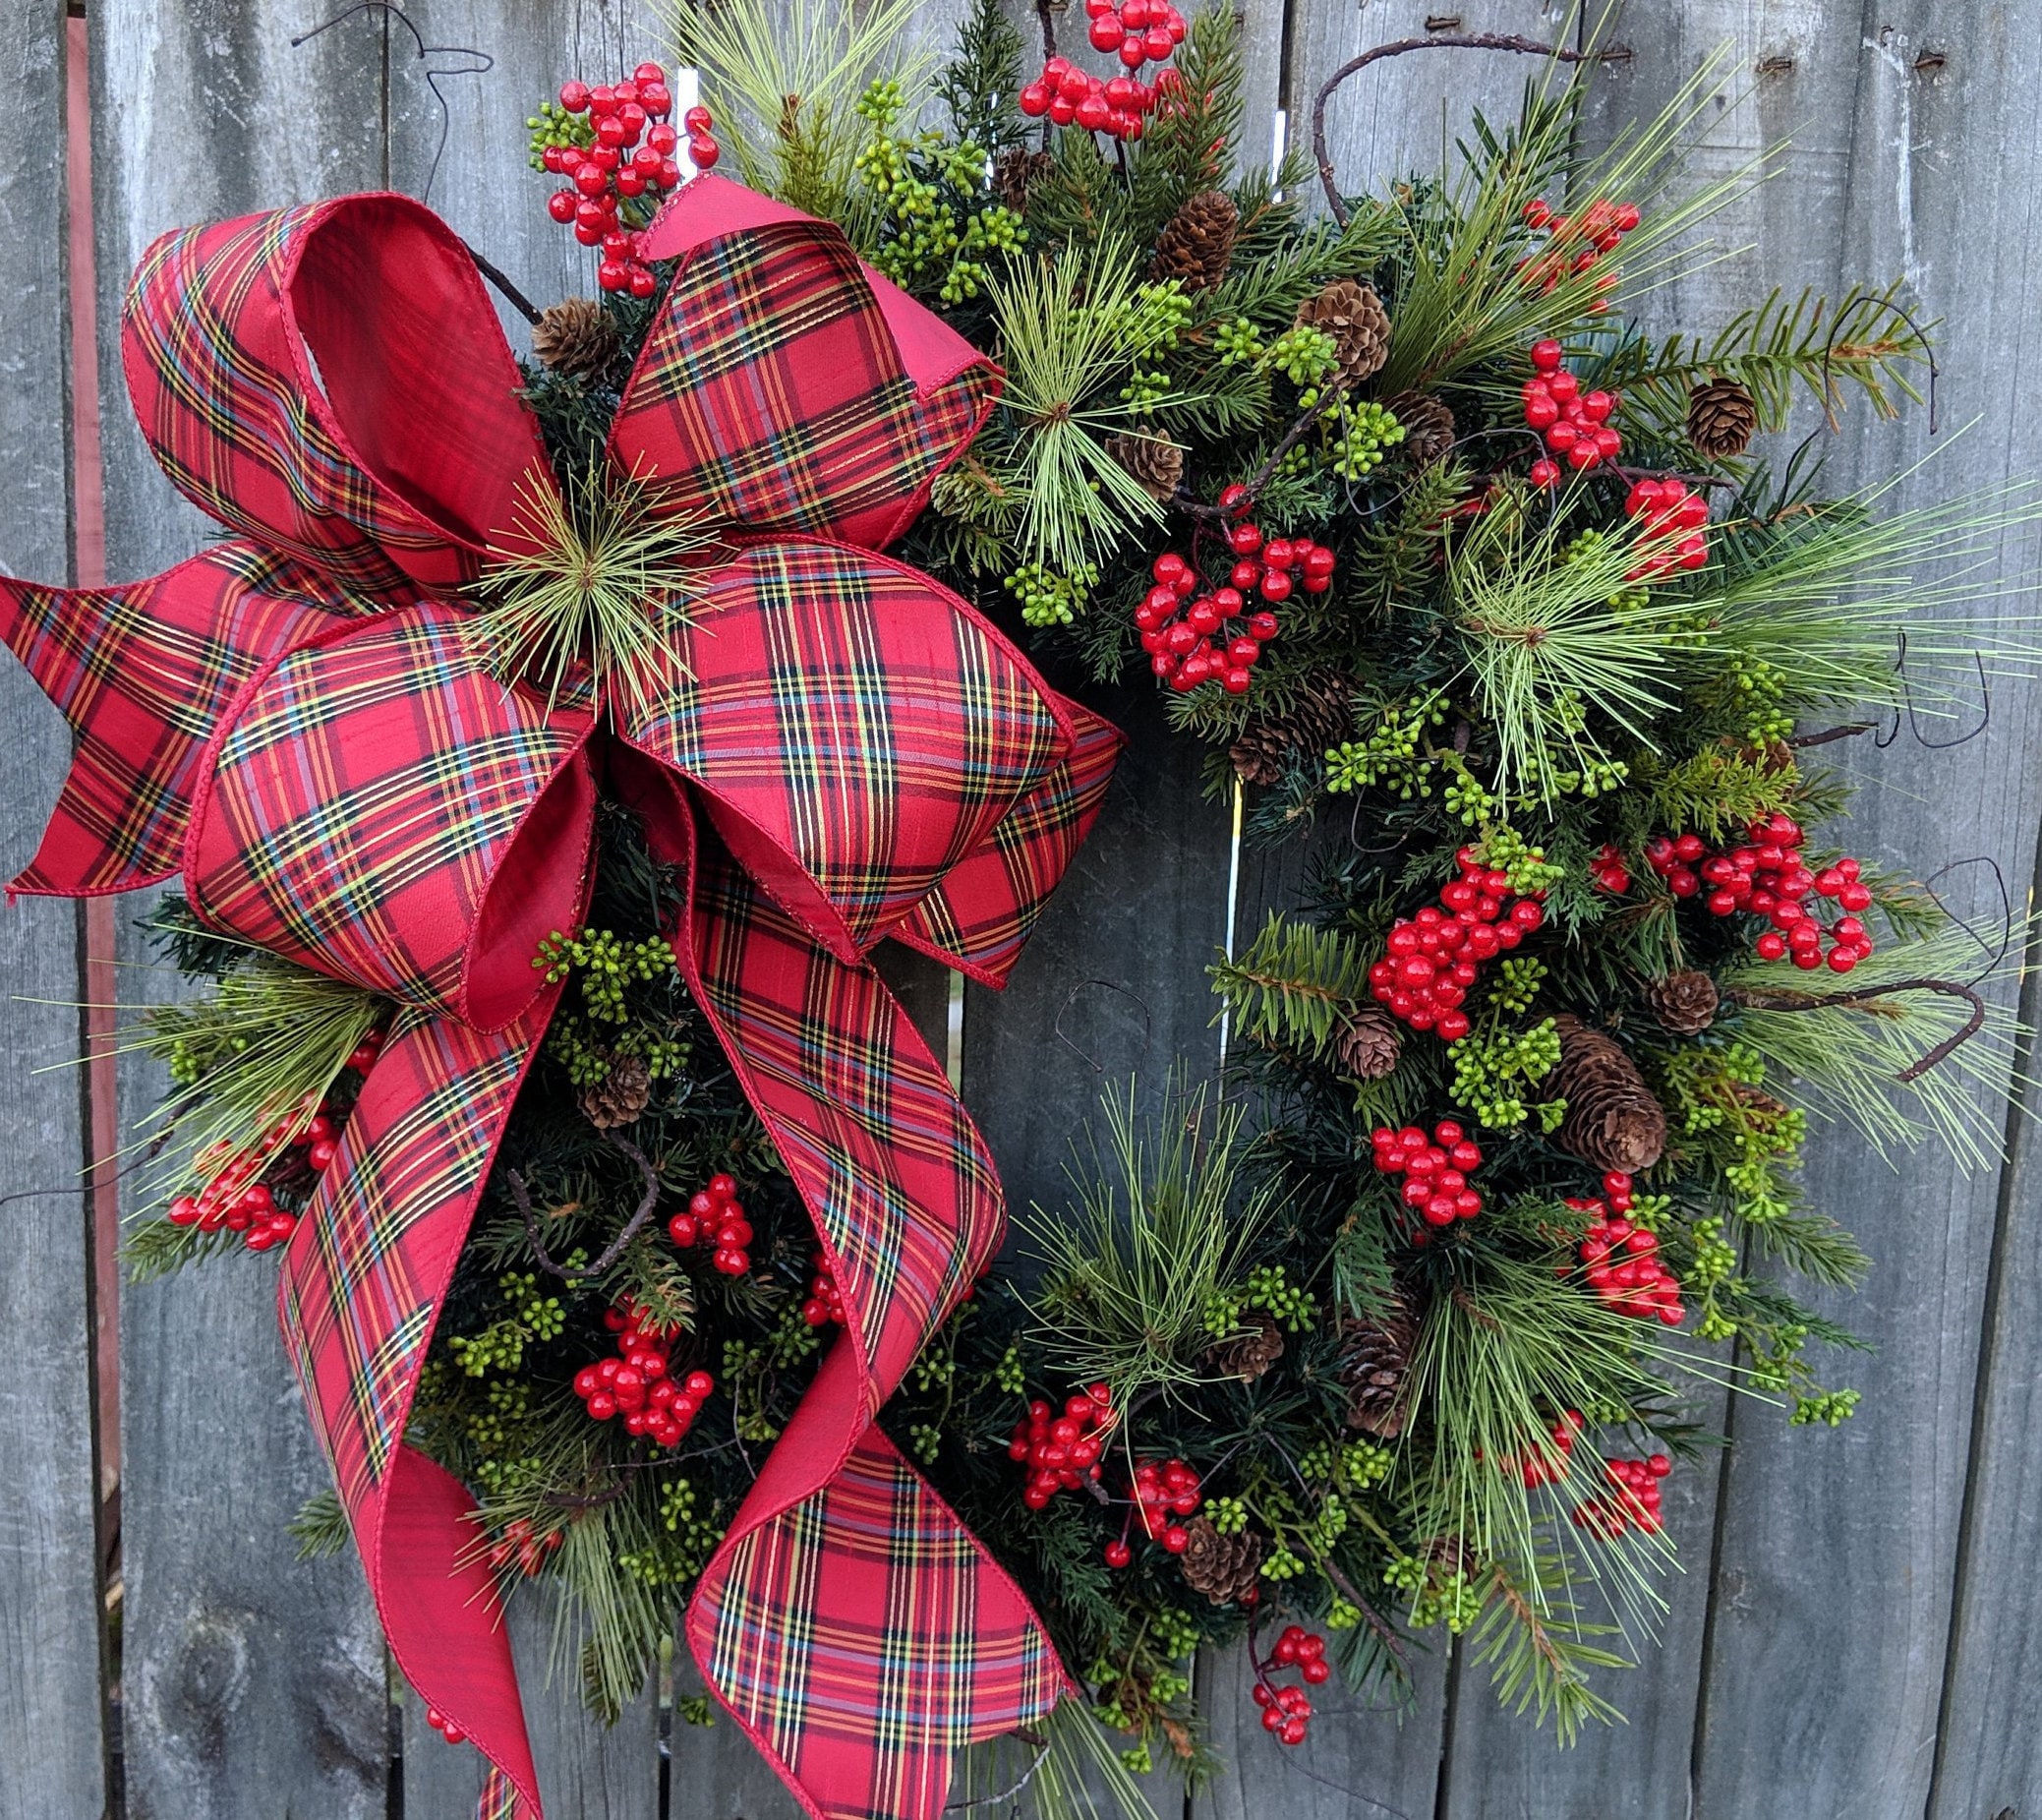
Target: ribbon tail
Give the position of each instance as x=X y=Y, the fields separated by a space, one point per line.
x=364 y=1280
x=852 y=1625
x=143 y=673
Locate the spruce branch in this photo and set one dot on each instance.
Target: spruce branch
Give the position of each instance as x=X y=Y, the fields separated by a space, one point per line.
x=1293 y=984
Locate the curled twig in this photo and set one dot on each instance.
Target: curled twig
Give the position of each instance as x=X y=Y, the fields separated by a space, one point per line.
x=615 y=1248
x=1193 y=507
x=1761 y=999
x=1071 y=997
x=1460 y=40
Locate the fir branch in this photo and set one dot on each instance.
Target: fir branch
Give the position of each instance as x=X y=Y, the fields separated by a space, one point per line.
x=1533 y=1642
x=1293 y=985
x=320 y=1527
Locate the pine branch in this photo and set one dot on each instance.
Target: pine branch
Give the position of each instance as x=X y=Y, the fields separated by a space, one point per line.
x=1293 y=985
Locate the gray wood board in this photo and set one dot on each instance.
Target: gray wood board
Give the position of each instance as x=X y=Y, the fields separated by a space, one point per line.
x=52 y=1755
x=253 y=1686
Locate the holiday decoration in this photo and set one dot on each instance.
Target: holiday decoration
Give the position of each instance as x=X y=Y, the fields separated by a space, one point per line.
x=615 y=1194
x=323 y=723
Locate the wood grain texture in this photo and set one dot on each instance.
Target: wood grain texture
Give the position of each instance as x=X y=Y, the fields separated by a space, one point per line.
x=253 y=1686
x=52 y=1754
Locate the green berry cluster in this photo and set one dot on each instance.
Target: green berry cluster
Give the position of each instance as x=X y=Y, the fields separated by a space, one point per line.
x=1360 y=435
x=1228 y=1515
x=1304 y=355
x=1280 y=1564
x=554 y=126
x=1491 y=1067
x=1048 y=598
x=1269 y=1290
x=940 y=227
x=1517 y=981
x=1831 y=1407
x=1236 y=342
x=1503 y=849
x=1390 y=753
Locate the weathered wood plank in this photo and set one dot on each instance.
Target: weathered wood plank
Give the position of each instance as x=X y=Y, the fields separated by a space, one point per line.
x=1821 y=1693
x=253 y=1686
x=52 y=1753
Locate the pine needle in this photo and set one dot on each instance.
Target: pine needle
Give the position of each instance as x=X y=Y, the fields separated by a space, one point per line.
x=596 y=596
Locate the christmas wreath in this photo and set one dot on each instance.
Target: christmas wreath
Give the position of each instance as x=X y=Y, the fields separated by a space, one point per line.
x=1463 y=578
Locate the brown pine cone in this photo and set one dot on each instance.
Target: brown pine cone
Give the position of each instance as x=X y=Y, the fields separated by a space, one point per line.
x=1158 y=465
x=1196 y=242
x=1353 y=315
x=1612 y=1122
x=1248 y=1355
x=1428 y=426
x=1015 y=172
x=1222 y=1567
x=1721 y=419
x=1684 y=1002
x=1322 y=716
x=1375 y=1363
x=575 y=336
x=1371 y=1046
x=620 y=1096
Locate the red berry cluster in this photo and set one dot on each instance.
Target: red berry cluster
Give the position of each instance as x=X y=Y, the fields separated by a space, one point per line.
x=444 y=1725
x=236 y=1201
x=1117 y=106
x=824 y=1305
x=1435 y=956
x=1271 y=564
x=1575 y=424
x=1287 y=1710
x=1062 y=1451
x=521 y=1544
x=1138 y=31
x=1435 y=1173
x=1576 y=244
x=1182 y=652
x=1767 y=877
x=1623 y=1263
x=1548 y=1466
x=632 y=156
x=1610 y=871
x=715 y=1216
x=636 y=1381
x=1634 y=1504
x=1163 y=1490
x=1674 y=518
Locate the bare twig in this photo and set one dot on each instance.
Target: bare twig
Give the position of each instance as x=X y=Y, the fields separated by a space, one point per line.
x=1760 y=999
x=1460 y=40
x=514 y=297
x=615 y=1248
x=1193 y=507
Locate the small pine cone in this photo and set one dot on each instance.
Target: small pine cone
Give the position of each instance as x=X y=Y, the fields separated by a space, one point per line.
x=1222 y=1567
x=1375 y=1363
x=1721 y=419
x=1248 y=1355
x=1371 y=1046
x=1612 y=1122
x=620 y=1096
x=1354 y=315
x=1428 y=426
x=575 y=336
x=1683 y=1002
x=1014 y=173
x=1322 y=716
x=1156 y=464
x=1196 y=242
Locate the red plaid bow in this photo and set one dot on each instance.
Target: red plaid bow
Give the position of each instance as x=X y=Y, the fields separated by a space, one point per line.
x=299 y=722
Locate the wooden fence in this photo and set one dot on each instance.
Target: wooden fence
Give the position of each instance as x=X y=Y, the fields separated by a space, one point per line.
x=1855 y=1633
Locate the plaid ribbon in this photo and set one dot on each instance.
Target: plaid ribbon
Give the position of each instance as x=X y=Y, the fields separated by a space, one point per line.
x=299 y=722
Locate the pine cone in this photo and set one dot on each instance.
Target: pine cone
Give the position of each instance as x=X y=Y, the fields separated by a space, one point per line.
x=1156 y=464
x=1248 y=1355
x=1222 y=1567
x=1721 y=419
x=1015 y=172
x=1371 y=1046
x=1612 y=1122
x=1683 y=1002
x=1196 y=242
x=1321 y=716
x=1374 y=1360
x=620 y=1096
x=1428 y=426
x=575 y=336
x=1354 y=315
